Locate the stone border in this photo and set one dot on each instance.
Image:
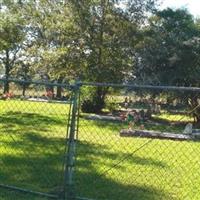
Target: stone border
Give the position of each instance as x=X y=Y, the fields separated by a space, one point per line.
x=103 y=117
x=155 y=135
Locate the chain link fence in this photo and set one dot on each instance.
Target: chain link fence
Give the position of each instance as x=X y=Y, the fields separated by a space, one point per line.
x=33 y=130
x=143 y=143
x=99 y=141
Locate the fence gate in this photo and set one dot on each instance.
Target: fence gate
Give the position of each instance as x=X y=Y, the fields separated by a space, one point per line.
x=34 y=118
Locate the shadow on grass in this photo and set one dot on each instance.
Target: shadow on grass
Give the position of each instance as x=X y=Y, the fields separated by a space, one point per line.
x=30 y=119
x=41 y=170
x=6 y=194
x=108 y=189
x=34 y=161
x=103 y=153
x=95 y=164
x=26 y=129
x=32 y=166
x=32 y=151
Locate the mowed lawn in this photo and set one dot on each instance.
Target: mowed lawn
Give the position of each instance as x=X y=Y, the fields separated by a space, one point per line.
x=33 y=138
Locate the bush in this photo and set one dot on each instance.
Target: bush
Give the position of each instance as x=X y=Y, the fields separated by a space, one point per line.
x=92 y=100
x=91 y=106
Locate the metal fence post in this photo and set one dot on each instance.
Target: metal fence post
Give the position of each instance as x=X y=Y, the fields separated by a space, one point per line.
x=71 y=142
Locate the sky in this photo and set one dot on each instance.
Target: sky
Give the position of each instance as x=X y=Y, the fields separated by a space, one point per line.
x=192 y=5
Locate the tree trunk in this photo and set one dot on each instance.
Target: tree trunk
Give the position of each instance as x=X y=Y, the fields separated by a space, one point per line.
x=24 y=90
x=196 y=115
x=59 y=89
x=7 y=73
x=6 y=86
x=99 y=99
x=49 y=88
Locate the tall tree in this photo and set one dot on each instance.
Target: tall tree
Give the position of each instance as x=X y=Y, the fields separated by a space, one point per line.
x=169 y=52
x=89 y=40
x=108 y=33
x=54 y=36
x=11 y=38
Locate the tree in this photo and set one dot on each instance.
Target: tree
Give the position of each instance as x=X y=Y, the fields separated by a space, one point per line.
x=53 y=33
x=109 y=32
x=11 y=39
x=86 y=40
x=168 y=55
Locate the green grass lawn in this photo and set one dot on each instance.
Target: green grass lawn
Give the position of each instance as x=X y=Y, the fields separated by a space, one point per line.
x=32 y=145
x=13 y=195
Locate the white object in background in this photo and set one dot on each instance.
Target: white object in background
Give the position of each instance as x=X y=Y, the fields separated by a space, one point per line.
x=188 y=129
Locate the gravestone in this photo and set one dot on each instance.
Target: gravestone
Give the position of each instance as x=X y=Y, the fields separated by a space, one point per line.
x=188 y=129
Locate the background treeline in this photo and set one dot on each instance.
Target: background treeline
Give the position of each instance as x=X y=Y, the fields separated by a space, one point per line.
x=100 y=41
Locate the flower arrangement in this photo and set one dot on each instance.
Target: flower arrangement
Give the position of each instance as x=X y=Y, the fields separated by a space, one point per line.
x=7 y=95
x=49 y=94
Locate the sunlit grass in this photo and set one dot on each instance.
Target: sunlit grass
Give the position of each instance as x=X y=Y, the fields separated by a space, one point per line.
x=174 y=117
x=32 y=138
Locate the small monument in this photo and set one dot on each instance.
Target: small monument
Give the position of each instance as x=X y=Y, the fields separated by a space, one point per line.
x=188 y=129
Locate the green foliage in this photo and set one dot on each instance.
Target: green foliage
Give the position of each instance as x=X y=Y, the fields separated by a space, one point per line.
x=169 y=52
x=112 y=105
x=99 y=41
x=89 y=40
x=10 y=31
x=12 y=36
x=93 y=99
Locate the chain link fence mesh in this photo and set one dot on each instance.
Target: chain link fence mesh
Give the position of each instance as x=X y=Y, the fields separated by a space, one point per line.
x=130 y=142
x=33 y=127
x=144 y=144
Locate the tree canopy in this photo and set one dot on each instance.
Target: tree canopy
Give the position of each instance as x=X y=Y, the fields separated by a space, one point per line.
x=169 y=51
x=100 y=41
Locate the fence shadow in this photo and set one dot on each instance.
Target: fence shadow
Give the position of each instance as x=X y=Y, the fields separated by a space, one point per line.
x=105 y=183
x=32 y=152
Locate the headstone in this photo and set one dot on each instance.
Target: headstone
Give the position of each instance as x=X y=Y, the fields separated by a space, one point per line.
x=174 y=103
x=157 y=108
x=188 y=129
x=126 y=105
x=126 y=102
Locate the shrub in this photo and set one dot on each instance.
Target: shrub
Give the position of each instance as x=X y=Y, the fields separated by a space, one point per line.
x=93 y=100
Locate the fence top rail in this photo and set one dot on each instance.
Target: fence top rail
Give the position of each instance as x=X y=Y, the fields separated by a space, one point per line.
x=147 y=87
x=96 y=84
x=36 y=83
